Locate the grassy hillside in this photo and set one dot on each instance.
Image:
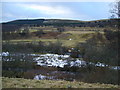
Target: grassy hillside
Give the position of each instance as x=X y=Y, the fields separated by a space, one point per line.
x=27 y=83
x=69 y=38
x=16 y=24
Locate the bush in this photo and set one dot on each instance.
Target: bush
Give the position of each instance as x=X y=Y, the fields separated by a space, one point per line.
x=100 y=49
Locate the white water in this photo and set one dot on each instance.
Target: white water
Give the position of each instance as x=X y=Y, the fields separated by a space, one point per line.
x=55 y=60
x=42 y=77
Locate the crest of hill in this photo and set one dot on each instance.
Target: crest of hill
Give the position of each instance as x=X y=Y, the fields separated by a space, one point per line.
x=40 y=21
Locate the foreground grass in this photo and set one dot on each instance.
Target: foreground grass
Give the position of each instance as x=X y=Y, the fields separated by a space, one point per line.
x=28 y=83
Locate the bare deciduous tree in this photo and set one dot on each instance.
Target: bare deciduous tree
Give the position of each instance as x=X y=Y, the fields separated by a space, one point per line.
x=115 y=11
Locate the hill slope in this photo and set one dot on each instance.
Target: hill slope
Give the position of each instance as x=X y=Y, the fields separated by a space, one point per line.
x=16 y=24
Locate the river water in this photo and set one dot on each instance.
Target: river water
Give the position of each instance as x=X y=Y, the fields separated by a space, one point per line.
x=48 y=63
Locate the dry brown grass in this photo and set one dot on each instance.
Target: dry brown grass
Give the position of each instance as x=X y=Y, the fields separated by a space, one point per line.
x=28 y=83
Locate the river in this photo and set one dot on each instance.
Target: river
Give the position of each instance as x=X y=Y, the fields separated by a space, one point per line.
x=52 y=66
